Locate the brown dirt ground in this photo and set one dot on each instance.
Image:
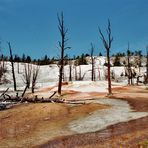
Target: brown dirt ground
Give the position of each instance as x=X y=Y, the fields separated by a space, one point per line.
x=40 y=122
x=124 y=135
x=132 y=134
x=32 y=124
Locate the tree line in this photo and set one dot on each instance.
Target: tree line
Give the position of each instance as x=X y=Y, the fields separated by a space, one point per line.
x=79 y=60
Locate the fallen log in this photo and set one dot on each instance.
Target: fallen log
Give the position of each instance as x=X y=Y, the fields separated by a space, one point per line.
x=11 y=99
x=33 y=100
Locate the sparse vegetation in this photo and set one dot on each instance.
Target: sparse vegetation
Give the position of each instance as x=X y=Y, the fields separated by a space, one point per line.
x=72 y=98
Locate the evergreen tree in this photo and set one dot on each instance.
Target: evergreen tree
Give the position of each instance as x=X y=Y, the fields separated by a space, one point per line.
x=23 y=58
x=100 y=54
x=45 y=60
x=117 y=61
x=82 y=60
x=28 y=59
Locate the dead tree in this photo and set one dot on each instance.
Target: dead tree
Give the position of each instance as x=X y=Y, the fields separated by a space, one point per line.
x=147 y=64
x=12 y=65
x=128 y=64
x=92 y=63
x=18 y=67
x=139 y=52
x=27 y=74
x=63 y=75
x=129 y=70
x=80 y=76
x=107 y=44
x=27 y=77
x=99 y=73
x=3 y=69
x=138 y=57
x=24 y=91
x=70 y=70
x=76 y=76
x=62 y=46
x=34 y=77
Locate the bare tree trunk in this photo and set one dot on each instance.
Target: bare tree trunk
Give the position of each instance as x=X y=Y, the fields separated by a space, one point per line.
x=139 y=60
x=18 y=68
x=131 y=78
x=107 y=44
x=147 y=65
x=3 y=63
x=80 y=78
x=70 y=72
x=60 y=75
x=129 y=72
x=34 y=77
x=2 y=68
x=92 y=62
x=139 y=64
x=130 y=81
x=99 y=74
x=109 y=79
x=63 y=33
x=63 y=74
x=12 y=65
x=27 y=74
x=24 y=91
x=76 y=77
x=32 y=88
x=94 y=74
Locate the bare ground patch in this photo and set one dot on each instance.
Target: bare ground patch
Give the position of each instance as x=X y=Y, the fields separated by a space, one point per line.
x=35 y=124
x=32 y=124
x=127 y=134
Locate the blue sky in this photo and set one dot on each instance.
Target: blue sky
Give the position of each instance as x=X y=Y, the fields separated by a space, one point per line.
x=31 y=25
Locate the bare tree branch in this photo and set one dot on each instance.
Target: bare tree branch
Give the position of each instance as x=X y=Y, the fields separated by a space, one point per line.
x=107 y=44
x=27 y=74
